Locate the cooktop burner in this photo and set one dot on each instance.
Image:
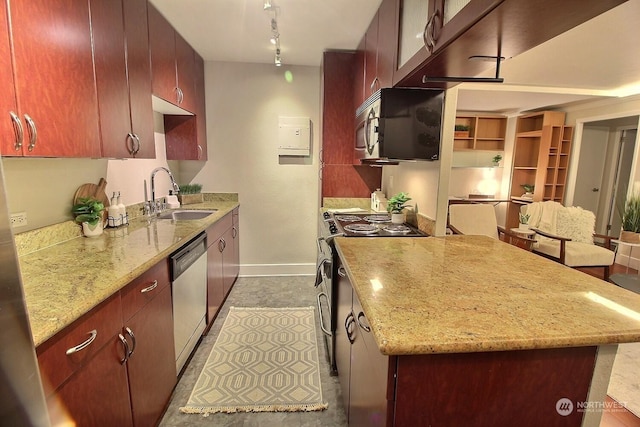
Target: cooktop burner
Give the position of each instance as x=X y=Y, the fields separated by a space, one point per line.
x=371 y=224
x=348 y=218
x=361 y=228
x=377 y=218
x=396 y=228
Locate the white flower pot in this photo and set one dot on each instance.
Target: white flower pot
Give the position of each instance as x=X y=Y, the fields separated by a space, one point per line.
x=92 y=231
x=397 y=218
x=523 y=226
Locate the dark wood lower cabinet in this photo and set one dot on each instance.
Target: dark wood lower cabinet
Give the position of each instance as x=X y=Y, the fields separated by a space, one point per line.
x=151 y=366
x=97 y=394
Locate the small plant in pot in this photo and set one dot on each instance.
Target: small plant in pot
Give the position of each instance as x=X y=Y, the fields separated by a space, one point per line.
x=190 y=194
x=528 y=191
x=496 y=160
x=461 y=131
x=631 y=220
x=88 y=212
x=395 y=205
x=524 y=220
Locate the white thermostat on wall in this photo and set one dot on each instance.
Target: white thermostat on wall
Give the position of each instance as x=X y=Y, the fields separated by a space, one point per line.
x=294 y=136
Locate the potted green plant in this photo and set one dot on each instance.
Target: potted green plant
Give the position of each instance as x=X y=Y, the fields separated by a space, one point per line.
x=461 y=131
x=496 y=160
x=524 y=220
x=88 y=212
x=395 y=205
x=528 y=191
x=631 y=220
x=190 y=194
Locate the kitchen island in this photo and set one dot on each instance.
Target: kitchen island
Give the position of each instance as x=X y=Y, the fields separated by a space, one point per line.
x=467 y=330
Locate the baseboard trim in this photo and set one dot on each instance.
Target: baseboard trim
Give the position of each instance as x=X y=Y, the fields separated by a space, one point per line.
x=252 y=270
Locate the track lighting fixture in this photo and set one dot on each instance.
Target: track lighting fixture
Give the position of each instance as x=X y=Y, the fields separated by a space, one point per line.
x=275 y=34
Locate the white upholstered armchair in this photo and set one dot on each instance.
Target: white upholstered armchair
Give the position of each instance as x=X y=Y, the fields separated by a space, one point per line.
x=480 y=219
x=566 y=235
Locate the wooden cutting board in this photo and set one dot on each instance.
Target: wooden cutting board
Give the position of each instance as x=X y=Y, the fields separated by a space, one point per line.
x=93 y=190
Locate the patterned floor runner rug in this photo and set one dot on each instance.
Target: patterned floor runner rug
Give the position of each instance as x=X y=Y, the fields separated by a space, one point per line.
x=264 y=360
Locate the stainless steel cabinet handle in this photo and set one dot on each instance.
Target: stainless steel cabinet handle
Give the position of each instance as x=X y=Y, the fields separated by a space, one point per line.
x=361 y=323
x=342 y=272
x=150 y=288
x=349 y=321
x=19 y=131
x=373 y=84
x=133 y=341
x=180 y=95
x=222 y=245
x=33 y=132
x=137 y=138
x=92 y=336
x=426 y=34
x=129 y=142
x=125 y=344
x=234 y=232
x=322 y=294
x=200 y=151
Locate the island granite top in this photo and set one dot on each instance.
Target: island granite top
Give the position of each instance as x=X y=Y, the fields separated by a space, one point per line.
x=460 y=294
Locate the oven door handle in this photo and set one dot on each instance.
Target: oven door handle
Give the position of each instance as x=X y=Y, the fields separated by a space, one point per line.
x=322 y=294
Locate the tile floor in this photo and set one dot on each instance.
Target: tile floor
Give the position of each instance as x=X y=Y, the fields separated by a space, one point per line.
x=259 y=292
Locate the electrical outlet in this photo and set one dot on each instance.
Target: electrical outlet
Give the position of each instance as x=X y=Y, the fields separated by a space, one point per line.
x=18 y=219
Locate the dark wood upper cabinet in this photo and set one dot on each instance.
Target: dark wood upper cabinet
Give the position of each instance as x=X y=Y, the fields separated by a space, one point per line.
x=378 y=51
x=201 y=110
x=172 y=63
x=162 y=48
x=111 y=78
x=139 y=75
x=54 y=79
x=186 y=73
x=358 y=76
x=493 y=27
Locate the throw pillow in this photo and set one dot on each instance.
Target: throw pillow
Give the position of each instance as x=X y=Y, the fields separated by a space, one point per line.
x=576 y=223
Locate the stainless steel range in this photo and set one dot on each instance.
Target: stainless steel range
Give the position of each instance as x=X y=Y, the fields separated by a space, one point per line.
x=347 y=225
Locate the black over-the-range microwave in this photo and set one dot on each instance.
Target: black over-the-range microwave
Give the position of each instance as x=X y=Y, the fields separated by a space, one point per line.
x=399 y=124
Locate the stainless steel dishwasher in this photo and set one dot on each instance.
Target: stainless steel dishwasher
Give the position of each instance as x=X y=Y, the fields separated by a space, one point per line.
x=189 y=288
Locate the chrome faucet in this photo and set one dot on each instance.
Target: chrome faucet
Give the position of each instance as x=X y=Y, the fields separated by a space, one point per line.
x=153 y=207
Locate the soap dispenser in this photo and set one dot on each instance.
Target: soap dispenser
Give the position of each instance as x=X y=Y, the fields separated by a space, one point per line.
x=122 y=210
x=114 y=212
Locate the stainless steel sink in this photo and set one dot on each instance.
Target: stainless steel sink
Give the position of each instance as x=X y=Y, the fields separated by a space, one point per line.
x=186 y=214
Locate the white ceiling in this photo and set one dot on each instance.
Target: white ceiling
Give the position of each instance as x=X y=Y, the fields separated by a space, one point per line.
x=599 y=58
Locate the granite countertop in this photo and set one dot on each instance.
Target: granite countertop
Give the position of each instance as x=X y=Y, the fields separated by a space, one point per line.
x=64 y=281
x=459 y=294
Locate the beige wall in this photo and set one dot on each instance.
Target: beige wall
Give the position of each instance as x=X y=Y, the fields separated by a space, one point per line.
x=278 y=196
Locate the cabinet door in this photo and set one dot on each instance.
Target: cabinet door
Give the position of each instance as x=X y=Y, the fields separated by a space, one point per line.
x=8 y=138
x=358 y=77
x=228 y=268
x=97 y=395
x=201 y=110
x=51 y=44
x=215 y=280
x=344 y=331
x=235 y=256
x=139 y=76
x=111 y=78
x=186 y=74
x=162 y=48
x=152 y=363
x=369 y=375
x=387 y=42
x=371 y=83
x=181 y=136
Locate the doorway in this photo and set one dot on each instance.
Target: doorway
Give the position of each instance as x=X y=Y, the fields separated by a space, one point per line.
x=605 y=169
